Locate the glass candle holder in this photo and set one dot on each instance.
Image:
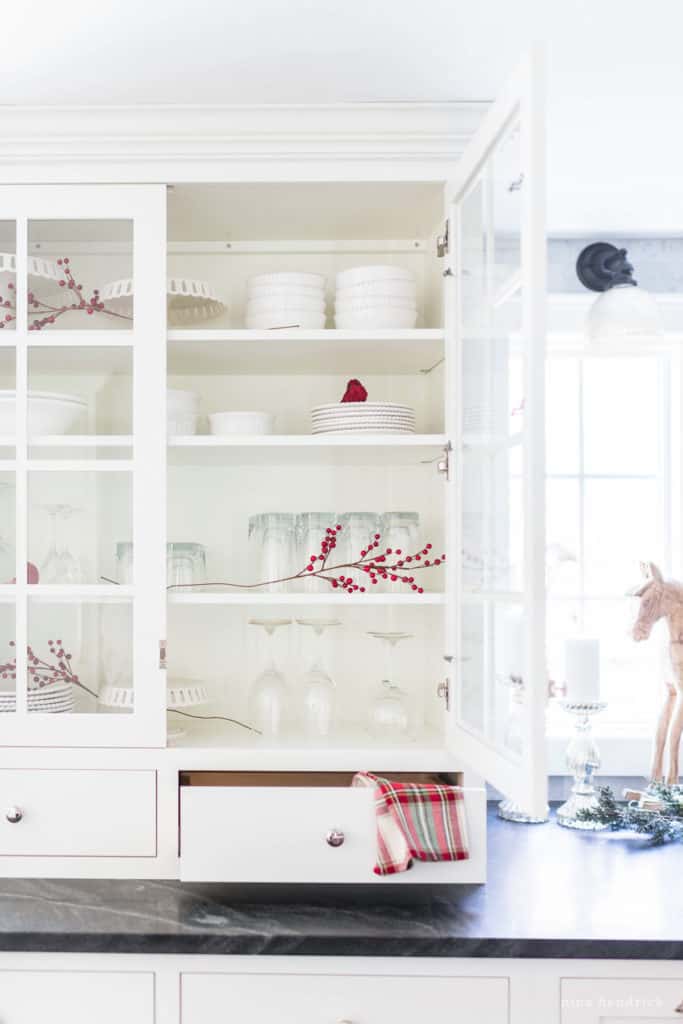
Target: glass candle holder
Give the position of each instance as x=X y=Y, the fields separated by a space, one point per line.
x=583 y=759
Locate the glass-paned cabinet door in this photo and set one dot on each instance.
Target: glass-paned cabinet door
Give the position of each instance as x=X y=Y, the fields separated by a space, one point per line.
x=495 y=300
x=82 y=465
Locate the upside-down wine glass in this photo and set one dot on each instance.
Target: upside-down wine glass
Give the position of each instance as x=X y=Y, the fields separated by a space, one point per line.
x=317 y=686
x=59 y=565
x=268 y=693
x=389 y=715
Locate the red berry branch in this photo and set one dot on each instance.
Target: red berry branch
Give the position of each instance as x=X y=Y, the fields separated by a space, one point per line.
x=42 y=673
x=390 y=564
x=46 y=313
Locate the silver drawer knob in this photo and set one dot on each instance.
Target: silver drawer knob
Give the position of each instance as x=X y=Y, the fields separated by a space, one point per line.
x=13 y=815
x=335 y=837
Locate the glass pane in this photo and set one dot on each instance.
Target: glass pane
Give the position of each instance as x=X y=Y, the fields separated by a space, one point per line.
x=85 y=392
x=7 y=402
x=621 y=415
x=8 y=275
x=620 y=528
x=7 y=532
x=80 y=274
x=8 y=674
x=472 y=272
x=492 y=520
x=491 y=688
x=491 y=387
x=80 y=657
x=78 y=522
x=505 y=190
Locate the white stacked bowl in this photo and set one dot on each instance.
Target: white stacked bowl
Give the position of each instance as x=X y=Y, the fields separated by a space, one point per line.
x=285 y=299
x=375 y=297
x=182 y=411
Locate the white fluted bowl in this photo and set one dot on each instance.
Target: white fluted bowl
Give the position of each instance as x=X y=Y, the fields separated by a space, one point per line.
x=371 y=273
x=386 y=317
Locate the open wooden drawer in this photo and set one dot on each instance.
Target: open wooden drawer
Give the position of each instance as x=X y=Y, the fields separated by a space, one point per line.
x=305 y=827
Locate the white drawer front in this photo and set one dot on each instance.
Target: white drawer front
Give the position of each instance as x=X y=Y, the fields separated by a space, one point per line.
x=621 y=1000
x=76 y=997
x=78 y=814
x=279 y=834
x=312 y=999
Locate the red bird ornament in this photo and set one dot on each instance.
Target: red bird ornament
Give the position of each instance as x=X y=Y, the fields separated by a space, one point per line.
x=355 y=392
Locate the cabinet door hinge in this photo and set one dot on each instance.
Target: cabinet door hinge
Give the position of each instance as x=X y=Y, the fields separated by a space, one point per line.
x=443 y=691
x=442 y=242
x=162 y=654
x=443 y=465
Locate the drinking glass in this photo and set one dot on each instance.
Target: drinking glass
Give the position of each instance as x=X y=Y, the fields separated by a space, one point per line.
x=310 y=532
x=272 y=549
x=389 y=714
x=185 y=563
x=317 y=686
x=59 y=565
x=358 y=530
x=399 y=532
x=268 y=693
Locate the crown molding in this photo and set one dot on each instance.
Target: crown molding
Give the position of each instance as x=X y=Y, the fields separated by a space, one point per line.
x=158 y=136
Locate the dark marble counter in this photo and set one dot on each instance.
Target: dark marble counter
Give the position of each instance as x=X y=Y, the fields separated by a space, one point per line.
x=551 y=893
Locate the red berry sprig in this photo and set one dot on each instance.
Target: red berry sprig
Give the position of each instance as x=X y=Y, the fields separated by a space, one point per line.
x=46 y=314
x=375 y=564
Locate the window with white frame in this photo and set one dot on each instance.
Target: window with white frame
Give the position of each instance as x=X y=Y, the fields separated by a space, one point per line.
x=608 y=507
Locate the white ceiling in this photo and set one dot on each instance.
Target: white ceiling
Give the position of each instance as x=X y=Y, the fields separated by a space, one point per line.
x=282 y=51
x=616 y=73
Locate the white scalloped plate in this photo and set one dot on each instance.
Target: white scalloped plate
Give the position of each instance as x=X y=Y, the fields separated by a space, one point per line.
x=189 y=301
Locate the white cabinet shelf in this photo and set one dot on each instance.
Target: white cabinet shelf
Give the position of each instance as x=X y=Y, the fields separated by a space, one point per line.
x=304 y=352
x=361 y=449
x=244 y=597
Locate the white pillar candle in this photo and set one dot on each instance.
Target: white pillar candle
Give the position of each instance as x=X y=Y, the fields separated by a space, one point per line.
x=582 y=668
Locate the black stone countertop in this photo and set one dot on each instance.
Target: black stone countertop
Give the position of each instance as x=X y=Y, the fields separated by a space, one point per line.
x=551 y=893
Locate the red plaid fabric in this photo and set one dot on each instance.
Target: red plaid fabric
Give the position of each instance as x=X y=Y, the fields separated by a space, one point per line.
x=416 y=822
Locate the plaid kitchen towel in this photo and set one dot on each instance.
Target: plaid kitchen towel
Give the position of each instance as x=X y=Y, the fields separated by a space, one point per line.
x=416 y=822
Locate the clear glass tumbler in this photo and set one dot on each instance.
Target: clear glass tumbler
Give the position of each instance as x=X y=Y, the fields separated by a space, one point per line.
x=272 y=550
x=400 y=533
x=185 y=563
x=358 y=530
x=310 y=532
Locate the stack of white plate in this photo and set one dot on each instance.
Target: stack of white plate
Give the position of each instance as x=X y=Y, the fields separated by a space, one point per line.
x=375 y=297
x=285 y=300
x=182 y=411
x=363 y=418
x=53 y=698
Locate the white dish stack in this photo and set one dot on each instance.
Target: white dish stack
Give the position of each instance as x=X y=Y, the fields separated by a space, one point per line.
x=375 y=297
x=285 y=299
x=363 y=418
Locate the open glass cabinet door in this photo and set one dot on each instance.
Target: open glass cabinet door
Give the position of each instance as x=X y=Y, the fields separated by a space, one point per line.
x=82 y=465
x=495 y=310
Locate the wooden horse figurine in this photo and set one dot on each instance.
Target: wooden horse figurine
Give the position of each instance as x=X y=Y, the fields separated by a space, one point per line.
x=660 y=598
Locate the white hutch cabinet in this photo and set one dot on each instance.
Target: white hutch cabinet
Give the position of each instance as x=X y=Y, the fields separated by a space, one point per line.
x=97 y=790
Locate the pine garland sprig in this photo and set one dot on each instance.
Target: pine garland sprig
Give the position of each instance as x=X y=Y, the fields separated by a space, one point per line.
x=662 y=820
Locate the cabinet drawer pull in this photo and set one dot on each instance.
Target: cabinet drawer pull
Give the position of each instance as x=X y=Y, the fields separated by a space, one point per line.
x=335 y=837
x=14 y=815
